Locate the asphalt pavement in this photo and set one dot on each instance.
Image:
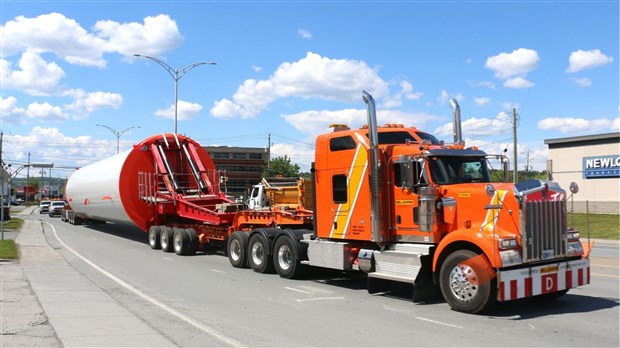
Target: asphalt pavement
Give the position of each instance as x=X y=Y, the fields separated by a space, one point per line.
x=45 y=302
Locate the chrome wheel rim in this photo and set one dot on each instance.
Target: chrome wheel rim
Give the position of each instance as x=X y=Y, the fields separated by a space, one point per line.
x=257 y=254
x=285 y=257
x=235 y=250
x=463 y=282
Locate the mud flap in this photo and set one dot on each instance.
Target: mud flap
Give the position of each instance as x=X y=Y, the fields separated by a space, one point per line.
x=378 y=285
x=423 y=288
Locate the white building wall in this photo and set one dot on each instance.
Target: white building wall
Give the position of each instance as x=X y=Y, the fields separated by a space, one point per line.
x=601 y=194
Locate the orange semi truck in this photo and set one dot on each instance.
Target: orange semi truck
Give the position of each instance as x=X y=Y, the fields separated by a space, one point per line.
x=398 y=205
x=392 y=202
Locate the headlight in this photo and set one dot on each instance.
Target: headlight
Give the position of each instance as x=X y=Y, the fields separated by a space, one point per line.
x=507 y=243
x=572 y=234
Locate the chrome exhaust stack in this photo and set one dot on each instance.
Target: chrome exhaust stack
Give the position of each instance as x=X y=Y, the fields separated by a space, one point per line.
x=375 y=171
x=456 y=121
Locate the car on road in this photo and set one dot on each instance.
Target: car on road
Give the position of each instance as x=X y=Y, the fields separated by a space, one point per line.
x=55 y=208
x=44 y=207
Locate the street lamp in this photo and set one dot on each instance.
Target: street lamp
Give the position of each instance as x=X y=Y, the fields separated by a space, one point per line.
x=176 y=75
x=117 y=133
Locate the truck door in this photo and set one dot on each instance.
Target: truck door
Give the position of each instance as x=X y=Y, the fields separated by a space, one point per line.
x=405 y=202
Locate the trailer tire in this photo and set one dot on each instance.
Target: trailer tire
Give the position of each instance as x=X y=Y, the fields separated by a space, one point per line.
x=180 y=241
x=258 y=254
x=235 y=248
x=193 y=241
x=166 y=239
x=155 y=237
x=285 y=258
x=467 y=287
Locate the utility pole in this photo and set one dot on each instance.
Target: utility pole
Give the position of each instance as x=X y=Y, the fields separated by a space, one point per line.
x=27 y=186
x=2 y=183
x=514 y=144
x=268 y=154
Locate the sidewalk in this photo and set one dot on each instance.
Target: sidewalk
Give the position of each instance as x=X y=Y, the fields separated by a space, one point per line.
x=46 y=302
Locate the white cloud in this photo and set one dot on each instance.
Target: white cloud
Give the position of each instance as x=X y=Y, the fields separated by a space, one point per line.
x=158 y=34
x=574 y=125
x=256 y=68
x=304 y=34
x=514 y=66
x=486 y=84
x=11 y=113
x=186 y=111
x=35 y=77
x=482 y=101
x=478 y=127
x=314 y=122
x=85 y=103
x=310 y=77
x=582 y=81
x=45 y=112
x=582 y=60
x=406 y=92
x=445 y=96
x=518 y=83
x=66 y=38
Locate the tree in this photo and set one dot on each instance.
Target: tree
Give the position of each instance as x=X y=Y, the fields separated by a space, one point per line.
x=281 y=166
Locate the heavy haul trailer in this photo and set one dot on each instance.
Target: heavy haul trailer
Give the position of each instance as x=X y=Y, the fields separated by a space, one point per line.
x=168 y=186
x=398 y=205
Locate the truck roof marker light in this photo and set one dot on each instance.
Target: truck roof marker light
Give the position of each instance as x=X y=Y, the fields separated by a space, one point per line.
x=338 y=127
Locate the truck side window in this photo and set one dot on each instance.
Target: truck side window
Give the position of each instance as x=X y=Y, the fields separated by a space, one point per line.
x=341 y=143
x=339 y=186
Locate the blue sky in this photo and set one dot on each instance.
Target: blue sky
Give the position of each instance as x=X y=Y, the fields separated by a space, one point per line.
x=289 y=68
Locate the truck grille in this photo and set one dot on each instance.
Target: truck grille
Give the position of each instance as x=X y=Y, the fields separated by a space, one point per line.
x=544 y=226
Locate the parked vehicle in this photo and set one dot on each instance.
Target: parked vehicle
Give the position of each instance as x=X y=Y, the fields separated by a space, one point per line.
x=392 y=202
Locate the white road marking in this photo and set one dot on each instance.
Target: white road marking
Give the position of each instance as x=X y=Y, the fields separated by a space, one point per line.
x=217 y=271
x=439 y=322
x=298 y=290
x=319 y=299
x=200 y=326
x=168 y=259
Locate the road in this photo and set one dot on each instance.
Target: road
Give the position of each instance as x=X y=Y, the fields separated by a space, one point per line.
x=203 y=301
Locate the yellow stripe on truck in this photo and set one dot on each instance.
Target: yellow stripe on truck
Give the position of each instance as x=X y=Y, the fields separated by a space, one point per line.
x=355 y=178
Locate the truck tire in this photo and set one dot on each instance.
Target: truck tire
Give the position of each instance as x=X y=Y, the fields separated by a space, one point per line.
x=194 y=243
x=180 y=241
x=155 y=237
x=258 y=254
x=466 y=286
x=285 y=258
x=166 y=239
x=235 y=248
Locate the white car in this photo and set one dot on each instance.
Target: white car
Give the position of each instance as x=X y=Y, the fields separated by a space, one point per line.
x=56 y=208
x=44 y=207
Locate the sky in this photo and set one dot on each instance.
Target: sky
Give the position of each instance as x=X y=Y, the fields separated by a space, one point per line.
x=285 y=70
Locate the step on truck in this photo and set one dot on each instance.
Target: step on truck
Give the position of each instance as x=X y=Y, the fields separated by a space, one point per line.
x=401 y=206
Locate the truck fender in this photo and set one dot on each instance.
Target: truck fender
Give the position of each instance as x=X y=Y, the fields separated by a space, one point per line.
x=464 y=239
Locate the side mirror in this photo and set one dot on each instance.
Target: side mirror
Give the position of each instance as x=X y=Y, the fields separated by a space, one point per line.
x=574 y=188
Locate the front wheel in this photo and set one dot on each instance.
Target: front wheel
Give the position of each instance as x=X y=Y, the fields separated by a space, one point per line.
x=465 y=282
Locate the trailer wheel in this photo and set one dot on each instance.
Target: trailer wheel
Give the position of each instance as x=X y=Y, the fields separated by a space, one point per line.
x=235 y=248
x=154 y=237
x=285 y=258
x=258 y=254
x=193 y=241
x=466 y=286
x=166 y=239
x=180 y=241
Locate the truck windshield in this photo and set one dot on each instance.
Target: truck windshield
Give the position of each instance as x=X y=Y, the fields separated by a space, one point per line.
x=458 y=169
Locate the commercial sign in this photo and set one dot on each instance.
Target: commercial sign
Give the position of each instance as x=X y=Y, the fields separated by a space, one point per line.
x=601 y=167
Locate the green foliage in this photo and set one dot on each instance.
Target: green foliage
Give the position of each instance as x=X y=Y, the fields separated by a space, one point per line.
x=281 y=166
x=8 y=249
x=603 y=226
x=13 y=224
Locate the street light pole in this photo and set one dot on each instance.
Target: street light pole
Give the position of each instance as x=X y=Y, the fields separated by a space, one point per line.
x=176 y=75
x=117 y=134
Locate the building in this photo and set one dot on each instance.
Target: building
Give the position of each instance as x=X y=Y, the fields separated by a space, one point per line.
x=593 y=162
x=241 y=167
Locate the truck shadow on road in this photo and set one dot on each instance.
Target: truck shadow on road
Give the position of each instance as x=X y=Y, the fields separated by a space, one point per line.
x=539 y=307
